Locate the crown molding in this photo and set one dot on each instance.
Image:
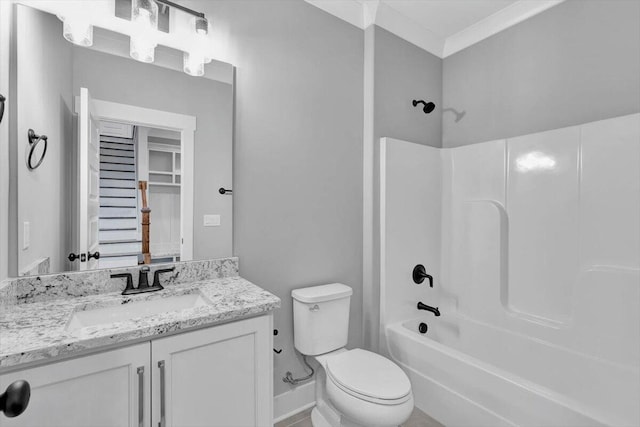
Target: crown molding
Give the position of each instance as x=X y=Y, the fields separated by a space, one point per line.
x=351 y=11
x=363 y=13
x=410 y=30
x=493 y=24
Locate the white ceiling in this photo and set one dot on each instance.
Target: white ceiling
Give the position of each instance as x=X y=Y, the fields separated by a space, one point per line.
x=441 y=27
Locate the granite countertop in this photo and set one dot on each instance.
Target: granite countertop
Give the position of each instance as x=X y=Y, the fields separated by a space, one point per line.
x=38 y=330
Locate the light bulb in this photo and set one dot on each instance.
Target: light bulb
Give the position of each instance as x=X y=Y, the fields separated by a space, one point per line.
x=144 y=17
x=141 y=49
x=193 y=64
x=198 y=55
x=77 y=29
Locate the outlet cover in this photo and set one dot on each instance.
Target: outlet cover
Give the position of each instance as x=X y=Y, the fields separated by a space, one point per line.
x=211 y=220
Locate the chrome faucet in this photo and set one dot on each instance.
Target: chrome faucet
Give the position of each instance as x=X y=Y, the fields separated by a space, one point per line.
x=434 y=310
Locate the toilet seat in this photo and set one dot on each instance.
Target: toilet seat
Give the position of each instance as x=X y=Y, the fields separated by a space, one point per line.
x=369 y=377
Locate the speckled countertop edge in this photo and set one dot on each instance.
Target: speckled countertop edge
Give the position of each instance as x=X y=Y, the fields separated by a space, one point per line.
x=37 y=331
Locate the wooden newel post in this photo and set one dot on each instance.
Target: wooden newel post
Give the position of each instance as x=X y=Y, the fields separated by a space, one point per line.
x=146 y=213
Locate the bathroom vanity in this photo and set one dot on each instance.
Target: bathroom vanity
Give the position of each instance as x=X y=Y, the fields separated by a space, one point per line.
x=197 y=353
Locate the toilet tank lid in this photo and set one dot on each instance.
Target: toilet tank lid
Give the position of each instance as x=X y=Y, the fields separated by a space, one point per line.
x=314 y=294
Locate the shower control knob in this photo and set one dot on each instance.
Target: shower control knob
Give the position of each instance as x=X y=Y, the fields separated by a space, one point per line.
x=420 y=273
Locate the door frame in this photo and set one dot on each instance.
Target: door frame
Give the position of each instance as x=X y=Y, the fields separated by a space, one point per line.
x=186 y=125
x=88 y=152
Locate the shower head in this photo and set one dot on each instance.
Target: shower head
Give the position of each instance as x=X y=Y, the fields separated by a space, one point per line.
x=428 y=106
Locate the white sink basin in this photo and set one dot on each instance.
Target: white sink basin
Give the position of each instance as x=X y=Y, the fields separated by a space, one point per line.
x=118 y=313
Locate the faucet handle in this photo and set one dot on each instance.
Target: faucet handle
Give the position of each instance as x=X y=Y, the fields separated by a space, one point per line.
x=420 y=273
x=157 y=273
x=129 y=281
x=143 y=278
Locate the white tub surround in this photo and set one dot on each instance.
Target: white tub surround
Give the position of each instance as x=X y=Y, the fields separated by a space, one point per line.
x=534 y=245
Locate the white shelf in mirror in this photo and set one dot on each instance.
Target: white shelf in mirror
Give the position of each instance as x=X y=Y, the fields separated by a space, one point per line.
x=164 y=161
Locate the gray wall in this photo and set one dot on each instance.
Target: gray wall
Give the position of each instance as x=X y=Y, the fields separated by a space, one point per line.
x=41 y=196
x=575 y=63
x=298 y=154
x=402 y=72
x=116 y=79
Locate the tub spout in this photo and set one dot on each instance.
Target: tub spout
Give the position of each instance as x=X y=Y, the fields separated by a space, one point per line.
x=434 y=310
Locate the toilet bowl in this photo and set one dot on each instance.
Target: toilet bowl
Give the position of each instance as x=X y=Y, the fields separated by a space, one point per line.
x=354 y=388
x=367 y=389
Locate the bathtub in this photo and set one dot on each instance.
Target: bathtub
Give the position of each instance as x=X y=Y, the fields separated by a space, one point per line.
x=535 y=271
x=465 y=372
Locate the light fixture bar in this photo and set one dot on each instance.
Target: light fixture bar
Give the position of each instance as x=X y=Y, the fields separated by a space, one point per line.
x=182 y=8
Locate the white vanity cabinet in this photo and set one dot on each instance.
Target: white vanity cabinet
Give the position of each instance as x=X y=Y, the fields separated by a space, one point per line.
x=216 y=376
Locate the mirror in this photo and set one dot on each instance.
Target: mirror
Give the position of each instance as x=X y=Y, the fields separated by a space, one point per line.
x=128 y=144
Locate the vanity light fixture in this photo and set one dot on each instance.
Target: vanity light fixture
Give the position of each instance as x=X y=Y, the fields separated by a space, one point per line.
x=144 y=16
x=148 y=27
x=195 y=58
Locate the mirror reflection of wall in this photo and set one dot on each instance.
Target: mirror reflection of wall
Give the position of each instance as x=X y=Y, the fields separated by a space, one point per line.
x=44 y=213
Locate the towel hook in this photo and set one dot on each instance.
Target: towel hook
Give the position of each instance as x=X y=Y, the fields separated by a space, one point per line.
x=2 y=99
x=34 y=141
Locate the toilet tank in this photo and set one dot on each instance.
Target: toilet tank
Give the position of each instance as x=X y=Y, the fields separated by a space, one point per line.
x=321 y=318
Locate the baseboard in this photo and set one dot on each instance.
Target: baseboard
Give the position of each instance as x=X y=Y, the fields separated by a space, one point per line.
x=293 y=401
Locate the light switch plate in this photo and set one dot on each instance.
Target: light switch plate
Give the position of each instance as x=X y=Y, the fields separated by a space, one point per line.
x=211 y=220
x=26 y=235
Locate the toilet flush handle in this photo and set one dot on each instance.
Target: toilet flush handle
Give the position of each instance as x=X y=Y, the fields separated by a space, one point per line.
x=314 y=307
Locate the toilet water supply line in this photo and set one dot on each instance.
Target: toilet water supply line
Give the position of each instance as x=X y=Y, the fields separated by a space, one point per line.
x=288 y=378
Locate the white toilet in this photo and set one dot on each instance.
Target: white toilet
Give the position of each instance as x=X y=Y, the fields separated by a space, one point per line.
x=354 y=388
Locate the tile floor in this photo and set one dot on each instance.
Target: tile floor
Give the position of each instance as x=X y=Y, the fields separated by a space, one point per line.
x=303 y=419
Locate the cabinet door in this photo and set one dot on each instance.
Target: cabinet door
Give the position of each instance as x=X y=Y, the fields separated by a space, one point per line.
x=97 y=390
x=219 y=376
